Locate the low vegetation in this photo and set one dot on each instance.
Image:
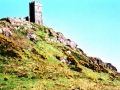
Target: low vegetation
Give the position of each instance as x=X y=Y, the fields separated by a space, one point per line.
x=28 y=65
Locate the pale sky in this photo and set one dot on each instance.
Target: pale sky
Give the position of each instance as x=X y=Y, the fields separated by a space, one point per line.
x=93 y=24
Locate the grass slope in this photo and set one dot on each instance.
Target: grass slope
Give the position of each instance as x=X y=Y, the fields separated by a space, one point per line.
x=25 y=65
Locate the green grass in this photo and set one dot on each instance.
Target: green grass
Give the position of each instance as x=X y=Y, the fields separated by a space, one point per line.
x=48 y=49
x=41 y=34
x=38 y=68
x=14 y=82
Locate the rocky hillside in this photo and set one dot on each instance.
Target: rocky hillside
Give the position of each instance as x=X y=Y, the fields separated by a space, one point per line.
x=30 y=52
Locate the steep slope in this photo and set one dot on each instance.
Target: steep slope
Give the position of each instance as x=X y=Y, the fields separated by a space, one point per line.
x=34 y=57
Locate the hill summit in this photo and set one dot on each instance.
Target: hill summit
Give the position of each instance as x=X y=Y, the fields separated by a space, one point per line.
x=34 y=57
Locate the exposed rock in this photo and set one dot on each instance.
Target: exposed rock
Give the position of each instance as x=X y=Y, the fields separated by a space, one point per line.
x=50 y=32
x=110 y=66
x=8 y=33
x=49 y=40
x=71 y=44
x=103 y=64
x=98 y=61
x=64 y=60
x=68 y=52
x=59 y=37
x=77 y=88
x=5 y=31
x=1 y=31
x=17 y=27
x=80 y=51
x=18 y=21
x=32 y=36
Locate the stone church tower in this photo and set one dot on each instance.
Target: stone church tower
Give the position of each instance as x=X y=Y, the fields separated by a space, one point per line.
x=35 y=11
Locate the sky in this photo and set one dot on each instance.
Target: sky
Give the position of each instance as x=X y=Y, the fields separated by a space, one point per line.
x=93 y=24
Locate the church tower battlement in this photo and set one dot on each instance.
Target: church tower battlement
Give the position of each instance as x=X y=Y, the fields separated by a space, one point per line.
x=35 y=12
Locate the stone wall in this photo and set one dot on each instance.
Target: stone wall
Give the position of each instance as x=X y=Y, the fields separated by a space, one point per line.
x=19 y=22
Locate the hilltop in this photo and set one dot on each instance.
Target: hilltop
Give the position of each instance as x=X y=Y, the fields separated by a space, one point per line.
x=35 y=57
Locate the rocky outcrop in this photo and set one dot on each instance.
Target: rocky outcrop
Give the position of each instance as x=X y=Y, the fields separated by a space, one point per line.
x=18 y=21
x=59 y=37
x=110 y=66
x=81 y=51
x=32 y=36
x=6 y=31
x=50 y=32
x=15 y=23
x=71 y=44
x=99 y=62
x=1 y=31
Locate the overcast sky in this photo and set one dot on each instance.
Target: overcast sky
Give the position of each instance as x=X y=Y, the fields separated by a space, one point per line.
x=93 y=24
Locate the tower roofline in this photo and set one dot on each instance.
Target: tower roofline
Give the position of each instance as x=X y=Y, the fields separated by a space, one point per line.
x=35 y=12
x=35 y=1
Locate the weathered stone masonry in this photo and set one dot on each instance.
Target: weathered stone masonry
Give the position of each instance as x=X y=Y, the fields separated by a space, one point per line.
x=35 y=12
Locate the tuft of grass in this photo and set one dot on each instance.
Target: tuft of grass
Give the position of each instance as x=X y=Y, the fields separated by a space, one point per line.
x=41 y=34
